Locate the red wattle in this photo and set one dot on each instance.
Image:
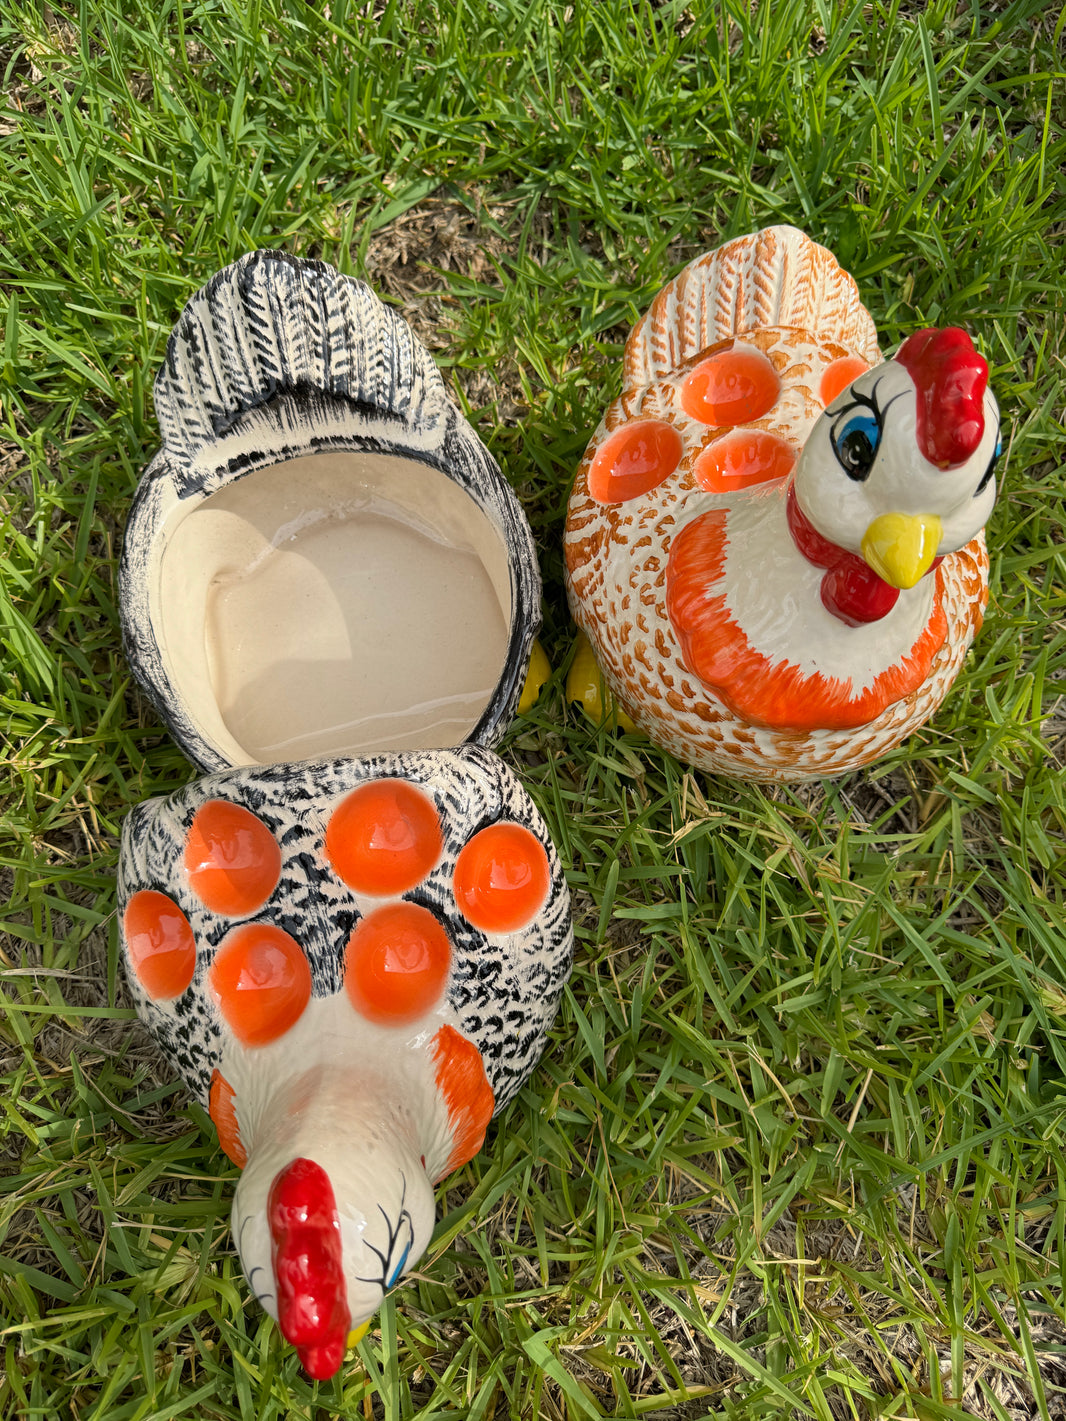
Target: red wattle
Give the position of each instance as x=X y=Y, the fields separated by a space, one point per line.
x=306 y=1253
x=321 y=1363
x=814 y=547
x=851 y=590
x=950 y=378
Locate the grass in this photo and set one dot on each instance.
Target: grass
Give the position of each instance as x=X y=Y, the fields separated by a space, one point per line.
x=796 y=1149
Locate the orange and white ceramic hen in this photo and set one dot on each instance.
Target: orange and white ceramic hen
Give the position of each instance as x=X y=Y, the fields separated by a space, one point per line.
x=774 y=542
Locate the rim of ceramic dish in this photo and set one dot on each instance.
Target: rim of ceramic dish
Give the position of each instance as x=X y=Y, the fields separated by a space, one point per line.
x=279 y=358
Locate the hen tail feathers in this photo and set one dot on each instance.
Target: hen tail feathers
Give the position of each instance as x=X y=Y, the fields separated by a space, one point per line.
x=270 y=325
x=776 y=277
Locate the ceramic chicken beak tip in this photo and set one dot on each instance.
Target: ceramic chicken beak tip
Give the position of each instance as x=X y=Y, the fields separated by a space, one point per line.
x=900 y=547
x=357 y=1334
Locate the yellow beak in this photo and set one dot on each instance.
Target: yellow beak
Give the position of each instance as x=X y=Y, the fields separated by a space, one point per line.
x=358 y=1333
x=900 y=546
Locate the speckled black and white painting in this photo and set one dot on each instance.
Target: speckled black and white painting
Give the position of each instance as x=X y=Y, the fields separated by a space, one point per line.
x=278 y=358
x=504 y=989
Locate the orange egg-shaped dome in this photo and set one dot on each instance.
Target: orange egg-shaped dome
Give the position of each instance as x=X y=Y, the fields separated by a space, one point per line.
x=160 y=944
x=502 y=878
x=262 y=981
x=732 y=386
x=384 y=837
x=397 y=964
x=232 y=859
x=634 y=460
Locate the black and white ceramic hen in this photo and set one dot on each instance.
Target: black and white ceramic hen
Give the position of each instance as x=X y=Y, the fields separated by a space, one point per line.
x=352 y=937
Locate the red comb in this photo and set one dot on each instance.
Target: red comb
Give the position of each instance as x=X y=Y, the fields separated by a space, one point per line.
x=312 y=1297
x=950 y=378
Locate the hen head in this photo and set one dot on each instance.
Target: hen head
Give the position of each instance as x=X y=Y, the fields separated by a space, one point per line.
x=319 y=1263
x=899 y=469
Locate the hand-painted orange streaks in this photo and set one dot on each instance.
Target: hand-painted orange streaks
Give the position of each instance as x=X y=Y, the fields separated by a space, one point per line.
x=462 y=1082
x=223 y=1113
x=774 y=694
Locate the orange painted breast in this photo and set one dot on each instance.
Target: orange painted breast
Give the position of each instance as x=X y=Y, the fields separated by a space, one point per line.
x=464 y=1086
x=223 y=1114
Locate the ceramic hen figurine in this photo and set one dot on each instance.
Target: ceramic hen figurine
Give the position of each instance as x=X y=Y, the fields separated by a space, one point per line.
x=352 y=939
x=774 y=542
x=353 y=964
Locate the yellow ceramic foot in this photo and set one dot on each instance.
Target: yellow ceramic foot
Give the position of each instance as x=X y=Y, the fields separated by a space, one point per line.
x=539 y=671
x=585 y=684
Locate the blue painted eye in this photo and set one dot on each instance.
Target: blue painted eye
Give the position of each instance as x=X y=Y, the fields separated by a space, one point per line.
x=400 y=1266
x=986 y=476
x=855 y=444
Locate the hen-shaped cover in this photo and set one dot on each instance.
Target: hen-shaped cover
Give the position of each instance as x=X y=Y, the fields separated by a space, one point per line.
x=778 y=572
x=353 y=964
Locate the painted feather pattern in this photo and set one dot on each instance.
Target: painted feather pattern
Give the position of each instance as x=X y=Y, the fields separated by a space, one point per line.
x=777 y=308
x=503 y=988
x=778 y=278
x=269 y=326
x=353 y=962
x=276 y=359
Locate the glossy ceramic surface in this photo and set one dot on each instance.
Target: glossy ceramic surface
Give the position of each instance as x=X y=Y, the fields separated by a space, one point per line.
x=774 y=542
x=351 y=954
x=351 y=962
x=323 y=558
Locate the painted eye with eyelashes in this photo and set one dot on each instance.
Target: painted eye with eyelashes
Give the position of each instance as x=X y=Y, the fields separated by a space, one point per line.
x=398 y=1269
x=855 y=438
x=991 y=468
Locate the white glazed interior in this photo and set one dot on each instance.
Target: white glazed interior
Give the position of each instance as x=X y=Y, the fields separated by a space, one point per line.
x=335 y=604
